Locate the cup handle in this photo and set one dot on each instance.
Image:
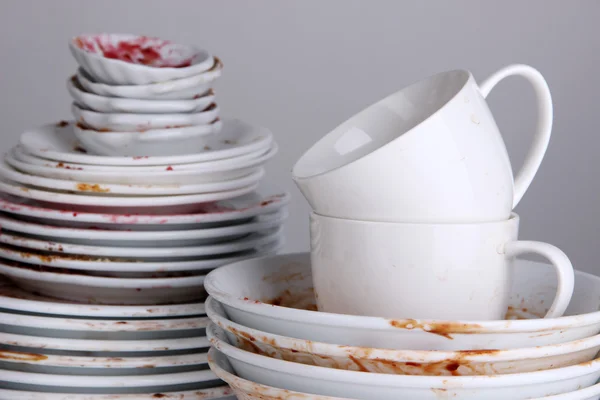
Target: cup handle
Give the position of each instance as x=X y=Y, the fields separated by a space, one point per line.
x=561 y=263
x=544 y=124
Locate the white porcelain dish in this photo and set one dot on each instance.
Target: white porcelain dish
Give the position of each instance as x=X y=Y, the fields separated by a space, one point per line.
x=22 y=156
x=247 y=390
x=98 y=237
x=221 y=393
x=404 y=362
x=367 y=386
x=109 y=384
x=141 y=107
x=589 y=393
x=125 y=347
x=122 y=205
x=70 y=285
x=125 y=59
x=265 y=200
x=152 y=142
x=245 y=288
x=109 y=189
x=176 y=89
x=58 y=142
x=100 y=329
x=130 y=122
x=168 y=176
x=15 y=299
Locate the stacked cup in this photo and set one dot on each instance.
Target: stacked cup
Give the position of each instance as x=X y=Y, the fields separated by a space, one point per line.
x=159 y=101
x=413 y=200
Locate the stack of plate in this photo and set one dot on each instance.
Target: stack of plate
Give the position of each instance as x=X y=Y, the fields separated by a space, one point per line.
x=269 y=342
x=132 y=94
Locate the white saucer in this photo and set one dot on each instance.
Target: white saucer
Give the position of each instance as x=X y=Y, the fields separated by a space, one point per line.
x=57 y=142
x=106 y=104
x=109 y=189
x=220 y=393
x=14 y=298
x=168 y=176
x=113 y=204
x=265 y=200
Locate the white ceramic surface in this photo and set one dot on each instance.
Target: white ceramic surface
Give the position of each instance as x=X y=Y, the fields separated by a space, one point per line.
x=172 y=238
x=57 y=142
x=429 y=153
x=109 y=384
x=589 y=393
x=260 y=294
x=97 y=347
x=111 y=121
x=116 y=105
x=151 y=142
x=168 y=175
x=385 y=269
x=360 y=385
x=246 y=390
x=404 y=362
x=169 y=61
x=16 y=299
x=101 y=329
x=176 y=89
x=109 y=189
x=265 y=200
x=221 y=393
x=72 y=285
x=122 y=204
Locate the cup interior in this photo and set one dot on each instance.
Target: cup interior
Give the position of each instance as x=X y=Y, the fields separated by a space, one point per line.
x=380 y=124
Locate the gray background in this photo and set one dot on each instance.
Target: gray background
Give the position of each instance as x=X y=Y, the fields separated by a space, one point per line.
x=302 y=67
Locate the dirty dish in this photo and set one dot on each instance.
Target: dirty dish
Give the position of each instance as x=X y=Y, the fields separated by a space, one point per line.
x=221 y=393
x=57 y=142
x=275 y=295
x=102 y=104
x=126 y=59
x=361 y=385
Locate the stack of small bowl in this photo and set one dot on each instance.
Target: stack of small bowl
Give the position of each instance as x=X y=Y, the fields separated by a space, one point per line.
x=103 y=256
x=270 y=342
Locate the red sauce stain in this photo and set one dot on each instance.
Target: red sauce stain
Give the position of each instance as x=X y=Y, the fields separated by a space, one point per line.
x=140 y=157
x=88 y=187
x=442 y=329
x=62 y=124
x=169 y=168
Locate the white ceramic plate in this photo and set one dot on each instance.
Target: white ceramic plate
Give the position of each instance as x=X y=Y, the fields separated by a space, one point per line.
x=58 y=142
x=103 y=104
x=221 y=393
x=120 y=205
x=98 y=237
x=404 y=362
x=241 y=288
x=70 y=285
x=22 y=156
x=168 y=176
x=152 y=142
x=247 y=390
x=109 y=384
x=265 y=200
x=367 y=386
x=109 y=189
x=135 y=269
x=96 y=54
x=14 y=298
x=176 y=89
x=145 y=253
x=111 y=121
x=100 y=329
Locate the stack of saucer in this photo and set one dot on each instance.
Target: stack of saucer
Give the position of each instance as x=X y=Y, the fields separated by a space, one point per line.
x=103 y=253
x=132 y=92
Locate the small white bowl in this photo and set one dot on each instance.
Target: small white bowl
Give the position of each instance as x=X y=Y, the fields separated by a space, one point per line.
x=247 y=390
x=105 y=104
x=126 y=59
x=177 y=89
x=154 y=142
x=128 y=122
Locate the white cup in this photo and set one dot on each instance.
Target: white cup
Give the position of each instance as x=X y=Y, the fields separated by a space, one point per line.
x=429 y=153
x=424 y=271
